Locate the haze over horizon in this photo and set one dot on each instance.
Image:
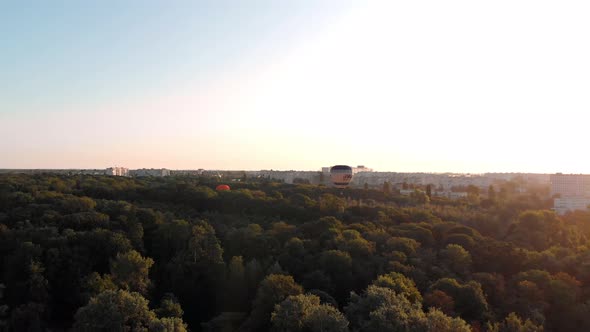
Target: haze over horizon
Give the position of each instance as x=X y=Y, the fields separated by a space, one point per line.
x=424 y=86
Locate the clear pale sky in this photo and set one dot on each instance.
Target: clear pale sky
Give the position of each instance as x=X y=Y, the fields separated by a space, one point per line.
x=433 y=86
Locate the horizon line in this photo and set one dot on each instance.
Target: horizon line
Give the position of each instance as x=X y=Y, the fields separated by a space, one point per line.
x=284 y=170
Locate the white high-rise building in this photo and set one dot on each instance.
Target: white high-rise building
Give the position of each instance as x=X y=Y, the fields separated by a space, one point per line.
x=573 y=191
x=570 y=185
x=117 y=171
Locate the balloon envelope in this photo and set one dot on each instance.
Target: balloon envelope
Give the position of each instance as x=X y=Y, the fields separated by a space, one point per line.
x=222 y=187
x=341 y=175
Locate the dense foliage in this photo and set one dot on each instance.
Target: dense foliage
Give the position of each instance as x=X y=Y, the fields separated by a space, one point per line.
x=171 y=254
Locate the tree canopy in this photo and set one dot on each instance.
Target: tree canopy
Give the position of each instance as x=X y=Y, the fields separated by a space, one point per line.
x=99 y=253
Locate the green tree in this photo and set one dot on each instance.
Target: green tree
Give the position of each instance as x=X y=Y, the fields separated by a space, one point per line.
x=273 y=290
x=37 y=283
x=3 y=310
x=302 y=201
x=254 y=274
x=236 y=289
x=291 y=314
x=437 y=321
x=203 y=244
x=169 y=307
x=293 y=256
x=167 y=324
x=429 y=191
x=130 y=271
x=540 y=230
x=335 y=261
x=400 y=284
x=358 y=247
x=472 y=190
x=513 y=323
x=326 y=318
x=440 y=300
x=419 y=197
x=95 y=284
x=491 y=193
x=403 y=244
x=28 y=317
x=470 y=302
x=457 y=259
x=386 y=187
x=196 y=272
x=301 y=313
x=338 y=267
x=494 y=287
x=331 y=204
x=73 y=204
x=381 y=309
x=115 y=311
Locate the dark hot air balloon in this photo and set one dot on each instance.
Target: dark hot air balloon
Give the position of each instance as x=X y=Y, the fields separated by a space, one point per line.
x=341 y=175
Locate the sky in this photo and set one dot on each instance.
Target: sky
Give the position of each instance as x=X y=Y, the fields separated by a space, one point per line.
x=407 y=86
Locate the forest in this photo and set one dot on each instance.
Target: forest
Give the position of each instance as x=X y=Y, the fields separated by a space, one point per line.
x=100 y=253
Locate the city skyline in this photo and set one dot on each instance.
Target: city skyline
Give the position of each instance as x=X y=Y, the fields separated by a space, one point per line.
x=424 y=86
x=320 y=169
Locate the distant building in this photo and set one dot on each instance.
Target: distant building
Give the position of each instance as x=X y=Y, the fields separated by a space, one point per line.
x=360 y=169
x=451 y=194
x=187 y=172
x=570 y=185
x=117 y=171
x=406 y=192
x=150 y=172
x=573 y=191
x=292 y=176
x=568 y=204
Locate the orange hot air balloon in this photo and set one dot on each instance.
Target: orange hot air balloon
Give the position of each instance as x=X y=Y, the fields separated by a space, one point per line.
x=222 y=187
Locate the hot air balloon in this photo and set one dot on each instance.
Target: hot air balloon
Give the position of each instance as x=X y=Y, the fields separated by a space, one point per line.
x=222 y=187
x=341 y=175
